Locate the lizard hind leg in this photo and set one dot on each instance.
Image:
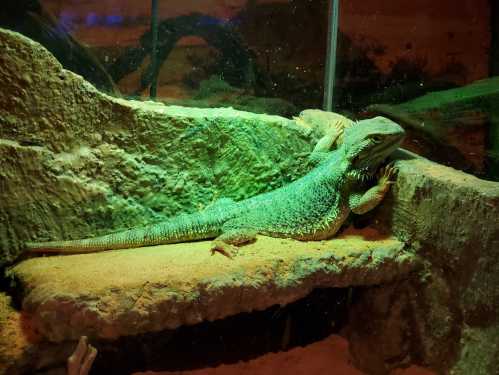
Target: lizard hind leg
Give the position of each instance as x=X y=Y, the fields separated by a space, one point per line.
x=228 y=243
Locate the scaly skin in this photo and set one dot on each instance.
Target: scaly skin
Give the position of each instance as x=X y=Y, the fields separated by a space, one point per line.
x=311 y=208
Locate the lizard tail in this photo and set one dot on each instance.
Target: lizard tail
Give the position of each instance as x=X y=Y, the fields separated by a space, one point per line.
x=180 y=229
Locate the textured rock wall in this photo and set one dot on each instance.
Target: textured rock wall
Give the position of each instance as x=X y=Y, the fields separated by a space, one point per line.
x=451 y=310
x=453 y=217
x=76 y=162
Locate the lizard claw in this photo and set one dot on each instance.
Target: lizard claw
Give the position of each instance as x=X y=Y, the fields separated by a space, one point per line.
x=81 y=360
x=387 y=175
x=228 y=243
x=335 y=132
x=388 y=172
x=225 y=249
x=339 y=127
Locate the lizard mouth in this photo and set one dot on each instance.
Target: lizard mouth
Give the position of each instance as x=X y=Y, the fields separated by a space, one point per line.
x=364 y=174
x=369 y=164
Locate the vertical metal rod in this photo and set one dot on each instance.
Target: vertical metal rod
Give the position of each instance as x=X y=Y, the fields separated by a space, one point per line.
x=493 y=133
x=154 y=49
x=332 y=45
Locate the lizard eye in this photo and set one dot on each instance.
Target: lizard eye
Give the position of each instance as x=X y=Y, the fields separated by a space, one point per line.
x=377 y=139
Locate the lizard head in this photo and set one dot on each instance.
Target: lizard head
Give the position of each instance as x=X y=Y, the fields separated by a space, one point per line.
x=368 y=143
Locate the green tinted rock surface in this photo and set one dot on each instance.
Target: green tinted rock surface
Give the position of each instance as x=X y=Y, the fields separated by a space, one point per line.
x=78 y=163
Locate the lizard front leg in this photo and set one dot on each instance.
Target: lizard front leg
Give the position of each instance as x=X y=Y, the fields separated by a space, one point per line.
x=323 y=146
x=362 y=203
x=228 y=242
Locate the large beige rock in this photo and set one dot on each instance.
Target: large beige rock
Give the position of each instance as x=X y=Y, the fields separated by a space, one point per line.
x=22 y=350
x=446 y=318
x=127 y=292
x=453 y=220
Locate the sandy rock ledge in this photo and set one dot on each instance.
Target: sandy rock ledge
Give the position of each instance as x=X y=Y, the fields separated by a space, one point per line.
x=127 y=292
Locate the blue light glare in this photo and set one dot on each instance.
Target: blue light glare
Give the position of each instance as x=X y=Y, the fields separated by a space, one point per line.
x=92 y=19
x=66 y=21
x=209 y=21
x=114 y=19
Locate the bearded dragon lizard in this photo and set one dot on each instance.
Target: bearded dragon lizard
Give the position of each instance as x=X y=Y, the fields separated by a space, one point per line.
x=313 y=207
